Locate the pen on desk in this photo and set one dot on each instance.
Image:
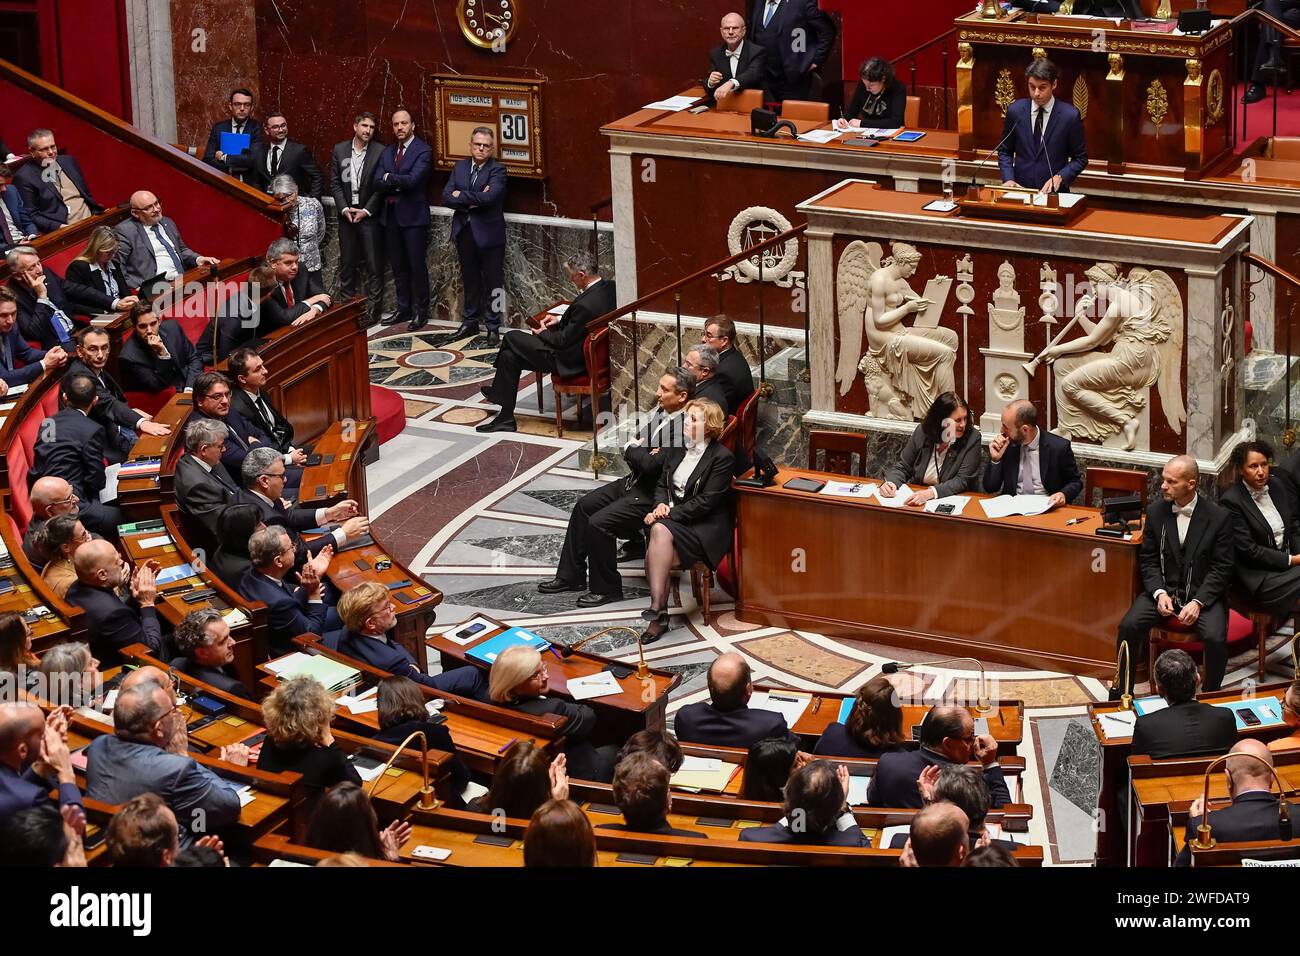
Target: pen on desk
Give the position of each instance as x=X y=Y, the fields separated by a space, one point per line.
x=1079 y=520
x=817 y=703
x=556 y=653
x=508 y=745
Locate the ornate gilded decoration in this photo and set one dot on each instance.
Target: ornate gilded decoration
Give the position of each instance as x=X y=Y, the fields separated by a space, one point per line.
x=1162 y=10
x=1169 y=47
x=1067 y=8
x=1227 y=325
x=965 y=54
x=1005 y=92
x=1039 y=53
x=991 y=10
x=1157 y=104
x=1214 y=98
x=1193 y=71
x=1079 y=96
x=1116 y=67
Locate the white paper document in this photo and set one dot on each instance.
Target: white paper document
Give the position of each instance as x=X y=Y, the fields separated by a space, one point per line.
x=674 y=104
x=109 y=491
x=824 y=135
x=594 y=685
x=958 y=503
x=899 y=499
x=558 y=309
x=157 y=541
x=848 y=489
x=287 y=663
x=1004 y=505
x=246 y=795
x=1117 y=725
x=789 y=705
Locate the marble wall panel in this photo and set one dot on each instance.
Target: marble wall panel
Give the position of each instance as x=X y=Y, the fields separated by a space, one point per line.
x=535 y=254
x=214 y=49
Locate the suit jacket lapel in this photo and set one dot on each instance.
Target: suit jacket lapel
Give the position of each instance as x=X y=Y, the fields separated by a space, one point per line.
x=1254 y=515
x=700 y=467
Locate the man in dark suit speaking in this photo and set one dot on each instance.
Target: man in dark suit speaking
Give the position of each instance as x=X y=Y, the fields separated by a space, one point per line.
x=556 y=348
x=1025 y=460
x=476 y=190
x=1186 y=562
x=735 y=64
x=1042 y=140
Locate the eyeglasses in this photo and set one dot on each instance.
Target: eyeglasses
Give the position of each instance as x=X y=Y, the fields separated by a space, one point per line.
x=540 y=672
x=272 y=474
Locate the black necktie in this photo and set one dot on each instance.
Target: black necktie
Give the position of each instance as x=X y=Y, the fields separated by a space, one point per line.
x=1038 y=126
x=473 y=177
x=275 y=160
x=5 y=353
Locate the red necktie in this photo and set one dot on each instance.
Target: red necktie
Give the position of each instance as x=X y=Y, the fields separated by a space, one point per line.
x=288 y=295
x=401 y=151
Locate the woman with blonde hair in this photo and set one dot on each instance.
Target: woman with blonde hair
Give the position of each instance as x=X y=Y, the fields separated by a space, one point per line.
x=519 y=680
x=692 y=519
x=298 y=738
x=94 y=282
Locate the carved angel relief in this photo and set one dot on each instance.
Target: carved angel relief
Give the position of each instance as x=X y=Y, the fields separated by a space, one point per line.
x=904 y=368
x=1103 y=376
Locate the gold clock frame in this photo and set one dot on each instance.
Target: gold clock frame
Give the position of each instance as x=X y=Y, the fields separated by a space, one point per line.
x=484 y=43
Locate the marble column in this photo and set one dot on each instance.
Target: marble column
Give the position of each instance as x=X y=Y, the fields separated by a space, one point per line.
x=620 y=178
x=153 y=82
x=1204 y=357
x=1263 y=242
x=821 y=305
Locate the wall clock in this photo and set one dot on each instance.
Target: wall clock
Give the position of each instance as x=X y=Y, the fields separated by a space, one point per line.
x=488 y=24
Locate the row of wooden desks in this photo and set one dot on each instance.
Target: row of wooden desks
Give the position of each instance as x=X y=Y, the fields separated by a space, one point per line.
x=1121 y=839
x=1029 y=591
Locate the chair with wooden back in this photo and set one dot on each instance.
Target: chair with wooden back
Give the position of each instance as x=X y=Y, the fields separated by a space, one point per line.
x=805 y=110
x=593 y=383
x=912 y=112
x=742 y=102
x=1115 y=481
x=839 y=449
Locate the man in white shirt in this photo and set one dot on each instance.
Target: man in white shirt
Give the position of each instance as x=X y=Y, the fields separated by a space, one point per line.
x=1186 y=561
x=1025 y=460
x=150 y=244
x=735 y=65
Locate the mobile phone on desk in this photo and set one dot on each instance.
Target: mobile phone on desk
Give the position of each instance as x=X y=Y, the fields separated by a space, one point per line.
x=1248 y=717
x=426 y=852
x=471 y=630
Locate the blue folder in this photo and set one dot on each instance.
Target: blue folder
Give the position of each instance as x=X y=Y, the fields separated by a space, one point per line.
x=487 y=651
x=1266 y=709
x=846 y=706
x=232 y=144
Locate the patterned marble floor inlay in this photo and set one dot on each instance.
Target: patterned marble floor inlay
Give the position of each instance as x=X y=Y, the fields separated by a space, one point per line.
x=482 y=517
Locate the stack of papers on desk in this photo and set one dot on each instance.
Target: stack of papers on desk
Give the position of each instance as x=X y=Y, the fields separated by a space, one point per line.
x=246 y=795
x=848 y=489
x=558 y=309
x=1004 y=505
x=899 y=499
x=601 y=684
x=1117 y=725
x=674 y=104
x=789 y=705
x=704 y=773
x=958 y=503
x=367 y=767
x=880 y=132
x=331 y=673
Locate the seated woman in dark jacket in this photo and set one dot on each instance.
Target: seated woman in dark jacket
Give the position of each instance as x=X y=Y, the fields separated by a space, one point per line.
x=880 y=101
x=298 y=738
x=235 y=525
x=519 y=680
x=523 y=781
x=94 y=282
x=345 y=822
x=1266 y=534
x=402 y=712
x=692 y=520
x=874 y=725
x=943 y=454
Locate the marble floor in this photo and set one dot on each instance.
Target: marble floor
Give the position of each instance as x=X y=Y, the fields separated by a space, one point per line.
x=483 y=517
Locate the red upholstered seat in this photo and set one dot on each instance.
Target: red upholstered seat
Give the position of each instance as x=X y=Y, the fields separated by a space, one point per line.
x=1239 y=628
x=1176 y=634
x=574 y=381
x=389 y=411
x=19 y=457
